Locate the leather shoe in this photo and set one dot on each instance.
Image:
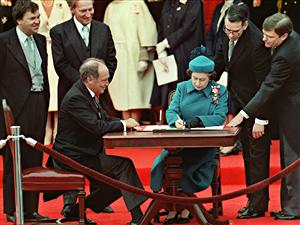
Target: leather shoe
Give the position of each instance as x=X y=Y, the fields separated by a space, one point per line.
x=275 y=213
x=242 y=210
x=250 y=213
x=285 y=216
x=28 y=217
x=89 y=222
x=108 y=209
x=34 y=216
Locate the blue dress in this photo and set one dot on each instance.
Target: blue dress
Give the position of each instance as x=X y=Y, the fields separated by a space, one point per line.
x=198 y=164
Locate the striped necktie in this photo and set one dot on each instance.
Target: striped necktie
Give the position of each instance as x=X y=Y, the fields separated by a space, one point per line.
x=230 y=49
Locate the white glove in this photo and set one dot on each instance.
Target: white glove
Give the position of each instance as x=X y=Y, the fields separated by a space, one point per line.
x=161 y=46
x=142 y=66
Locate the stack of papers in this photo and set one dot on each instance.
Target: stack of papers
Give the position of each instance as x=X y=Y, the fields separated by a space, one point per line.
x=151 y=128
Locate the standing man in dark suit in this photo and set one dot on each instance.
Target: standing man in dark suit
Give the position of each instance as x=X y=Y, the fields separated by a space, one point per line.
x=74 y=41
x=283 y=81
x=78 y=39
x=81 y=124
x=242 y=54
x=24 y=84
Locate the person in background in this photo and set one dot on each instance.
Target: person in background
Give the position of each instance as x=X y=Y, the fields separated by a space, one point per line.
x=242 y=54
x=52 y=13
x=211 y=42
x=77 y=39
x=134 y=32
x=81 y=124
x=6 y=20
x=24 y=85
x=260 y=9
x=282 y=84
x=180 y=30
x=197 y=102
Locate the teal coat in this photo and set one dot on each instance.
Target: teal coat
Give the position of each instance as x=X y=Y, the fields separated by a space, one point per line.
x=198 y=164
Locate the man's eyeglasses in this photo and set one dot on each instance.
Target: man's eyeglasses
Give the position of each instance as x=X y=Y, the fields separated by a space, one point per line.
x=233 y=32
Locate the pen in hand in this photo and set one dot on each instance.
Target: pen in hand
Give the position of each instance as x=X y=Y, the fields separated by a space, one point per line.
x=180 y=123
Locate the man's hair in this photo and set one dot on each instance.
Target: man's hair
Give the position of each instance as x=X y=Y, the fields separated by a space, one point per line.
x=23 y=6
x=90 y=68
x=72 y=3
x=278 y=22
x=237 y=13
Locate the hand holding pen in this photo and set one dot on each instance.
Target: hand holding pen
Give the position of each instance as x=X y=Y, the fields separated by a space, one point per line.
x=180 y=123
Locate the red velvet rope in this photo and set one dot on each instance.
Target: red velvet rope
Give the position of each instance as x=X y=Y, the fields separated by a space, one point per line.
x=161 y=197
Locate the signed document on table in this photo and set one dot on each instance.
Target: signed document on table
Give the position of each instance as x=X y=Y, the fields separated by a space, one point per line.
x=159 y=128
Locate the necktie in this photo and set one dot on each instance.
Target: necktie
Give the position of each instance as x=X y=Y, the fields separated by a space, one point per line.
x=98 y=106
x=29 y=51
x=272 y=51
x=230 y=49
x=85 y=35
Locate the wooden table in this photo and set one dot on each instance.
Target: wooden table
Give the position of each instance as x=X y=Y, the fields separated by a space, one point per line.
x=172 y=141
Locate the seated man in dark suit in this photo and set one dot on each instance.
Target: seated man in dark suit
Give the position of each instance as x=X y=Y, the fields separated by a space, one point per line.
x=81 y=124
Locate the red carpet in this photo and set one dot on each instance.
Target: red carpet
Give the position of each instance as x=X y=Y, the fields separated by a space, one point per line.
x=232 y=179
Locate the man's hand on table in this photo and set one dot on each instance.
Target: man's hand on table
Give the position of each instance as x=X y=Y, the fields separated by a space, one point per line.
x=131 y=123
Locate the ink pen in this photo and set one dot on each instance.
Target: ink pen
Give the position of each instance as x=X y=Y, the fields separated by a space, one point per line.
x=182 y=121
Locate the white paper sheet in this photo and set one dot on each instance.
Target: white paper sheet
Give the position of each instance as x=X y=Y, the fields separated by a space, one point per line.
x=150 y=128
x=223 y=79
x=165 y=70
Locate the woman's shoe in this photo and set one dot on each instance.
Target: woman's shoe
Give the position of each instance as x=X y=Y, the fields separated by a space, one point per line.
x=171 y=220
x=183 y=220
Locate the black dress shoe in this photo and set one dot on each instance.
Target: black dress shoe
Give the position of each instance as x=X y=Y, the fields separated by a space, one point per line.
x=10 y=218
x=90 y=222
x=250 y=213
x=34 y=216
x=242 y=210
x=108 y=209
x=275 y=213
x=285 y=216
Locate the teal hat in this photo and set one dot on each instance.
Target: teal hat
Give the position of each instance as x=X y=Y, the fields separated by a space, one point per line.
x=201 y=64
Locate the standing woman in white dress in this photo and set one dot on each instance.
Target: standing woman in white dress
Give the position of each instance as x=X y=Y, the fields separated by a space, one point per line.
x=133 y=31
x=52 y=12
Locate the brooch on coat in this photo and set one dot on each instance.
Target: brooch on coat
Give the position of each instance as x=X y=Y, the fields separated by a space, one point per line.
x=215 y=94
x=59 y=5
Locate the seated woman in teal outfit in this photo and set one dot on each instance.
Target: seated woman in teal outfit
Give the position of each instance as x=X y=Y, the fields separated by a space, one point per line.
x=198 y=102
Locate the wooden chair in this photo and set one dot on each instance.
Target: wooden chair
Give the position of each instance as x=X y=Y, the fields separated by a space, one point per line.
x=49 y=179
x=216 y=182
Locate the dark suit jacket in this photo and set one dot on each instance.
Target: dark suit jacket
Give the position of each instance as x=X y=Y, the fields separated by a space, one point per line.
x=15 y=85
x=80 y=127
x=68 y=54
x=249 y=64
x=15 y=79
x=183 y=26
x=283 y=83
